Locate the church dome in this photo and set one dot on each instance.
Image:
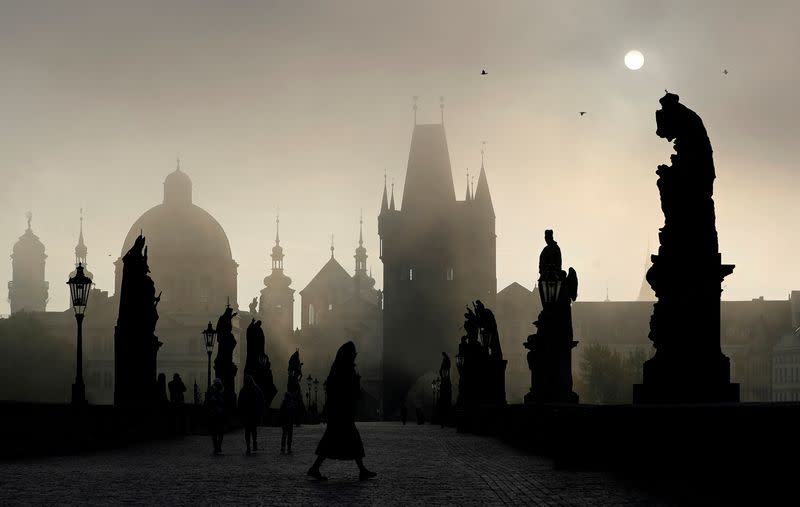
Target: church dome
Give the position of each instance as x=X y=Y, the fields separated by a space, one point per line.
x=189 y=254
x=29 y=244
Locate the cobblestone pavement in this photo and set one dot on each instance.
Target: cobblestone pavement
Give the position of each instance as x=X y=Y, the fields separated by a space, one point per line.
x=416 y=465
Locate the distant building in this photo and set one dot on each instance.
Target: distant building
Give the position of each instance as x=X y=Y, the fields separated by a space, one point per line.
x=438 y=254
x=336 y=308
x=28 y=290
x=786 y=368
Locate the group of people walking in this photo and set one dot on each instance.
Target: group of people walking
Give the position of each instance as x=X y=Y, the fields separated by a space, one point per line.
x=341 y=440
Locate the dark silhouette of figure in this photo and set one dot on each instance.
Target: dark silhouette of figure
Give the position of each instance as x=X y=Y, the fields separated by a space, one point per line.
x=224 y=368
x=688 y=365
x=253 y=307
x=251 y=410
x=483 y=72
x=488 y=326
x=445 y=390
x=481 y=367
x=288 y=416
x=162 y=389
x=257 y=363
x=197 y=395
x=216 y=408
x=341 y=439
x=550 y=348
x=403 y=413
x=176 y=390
x=135 y=343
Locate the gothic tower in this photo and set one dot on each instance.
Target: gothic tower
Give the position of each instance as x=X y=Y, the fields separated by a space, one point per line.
x=438 y=255
x=81 y=251
x=276 y=306
x=28 y=289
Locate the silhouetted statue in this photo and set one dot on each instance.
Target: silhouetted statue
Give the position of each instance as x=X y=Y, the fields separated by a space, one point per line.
x=341 y=439
x=224 y=368
x=687 y=273
x=135 y=343
x=254 y=307
x=445 y=390
x=176 y=389
x=480 y=364
x=291 y=408
x=257 y=363
x=550 y=349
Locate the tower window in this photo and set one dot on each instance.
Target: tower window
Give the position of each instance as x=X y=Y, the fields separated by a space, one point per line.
x=410 y=273
x=330 y=307
x=450 y=274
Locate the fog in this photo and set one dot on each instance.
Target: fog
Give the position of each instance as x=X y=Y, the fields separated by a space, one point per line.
x=304 y=105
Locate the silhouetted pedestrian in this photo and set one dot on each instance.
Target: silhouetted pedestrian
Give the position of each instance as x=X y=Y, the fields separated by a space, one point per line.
x=176 y=390
x=288 y=415
x=251 y=410
x=215 y=405
x=341 y=439
x=403 y=414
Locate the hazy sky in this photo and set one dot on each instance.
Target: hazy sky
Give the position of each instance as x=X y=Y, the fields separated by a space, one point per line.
x=303 y=105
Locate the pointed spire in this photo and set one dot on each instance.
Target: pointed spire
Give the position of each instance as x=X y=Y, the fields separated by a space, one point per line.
x=391 y=204
x=332 y=248
x=29 y=217
x=385 y=199
x=361 y=228
x=80 y=249
x=468 y=195
x=482 y=194
x=278 y=227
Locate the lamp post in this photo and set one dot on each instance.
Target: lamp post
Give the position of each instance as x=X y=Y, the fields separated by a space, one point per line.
x=208 y=338
x=309 y=380
x=316 y=393
x=79 y=286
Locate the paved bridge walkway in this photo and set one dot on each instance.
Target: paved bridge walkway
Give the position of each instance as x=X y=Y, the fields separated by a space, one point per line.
x=416 y=465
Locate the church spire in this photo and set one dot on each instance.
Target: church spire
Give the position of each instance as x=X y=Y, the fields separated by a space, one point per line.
x=482 y=195
x=277 y=250
x=80 y=249
x=332 y=247
x=468 y=195
x=385 y=199
x=391 y=205
x=361 y=252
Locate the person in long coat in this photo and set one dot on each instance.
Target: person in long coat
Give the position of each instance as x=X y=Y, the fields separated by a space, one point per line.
x=341 y=440
x=251 y=410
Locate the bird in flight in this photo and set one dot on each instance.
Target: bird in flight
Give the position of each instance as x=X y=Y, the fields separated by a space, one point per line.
x=725 y=72
x=582 y=113
x=483 y=72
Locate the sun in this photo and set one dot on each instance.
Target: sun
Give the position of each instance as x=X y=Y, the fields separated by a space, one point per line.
x=634 y=59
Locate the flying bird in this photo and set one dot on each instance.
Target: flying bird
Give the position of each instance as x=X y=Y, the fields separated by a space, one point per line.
x=582 y=113
x=483 y=72
x=725 y=72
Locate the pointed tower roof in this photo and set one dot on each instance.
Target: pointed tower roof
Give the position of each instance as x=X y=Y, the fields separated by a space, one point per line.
x=80 y=248
x=468 y=195
x=429 y=178
x=361 y=252
x=482 y=195
x=384 y=200
x=277 y=278
x=391 y=205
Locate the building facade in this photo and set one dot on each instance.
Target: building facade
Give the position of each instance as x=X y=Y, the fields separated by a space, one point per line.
x=438 y=255
x=28 y=290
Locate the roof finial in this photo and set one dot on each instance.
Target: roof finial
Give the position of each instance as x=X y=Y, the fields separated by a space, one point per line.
x=361 y=228
x=391 y=204
x=178 y=163
x=415 y=109
x=29 y=216
x=483 y=148
x=278 y=226
x=332 y=246
x=441 y=107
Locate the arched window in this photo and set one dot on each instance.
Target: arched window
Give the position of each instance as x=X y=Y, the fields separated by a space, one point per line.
x=450 y=274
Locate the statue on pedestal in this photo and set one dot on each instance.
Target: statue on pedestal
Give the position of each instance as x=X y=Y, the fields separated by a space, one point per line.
x=480 y=362
x=135 y=343
x=550 y=348
x=687 y=273
x=224 y=367
x=257 y=363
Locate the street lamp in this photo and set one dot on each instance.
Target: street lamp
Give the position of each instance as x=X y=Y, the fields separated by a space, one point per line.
x=316 y=393
x=308 y=392
x=208 y=338
x=550 y=286
x=79 y=286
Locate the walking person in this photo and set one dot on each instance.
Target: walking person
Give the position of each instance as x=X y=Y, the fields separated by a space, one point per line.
x=288 y=415
x=251 y=410
x=341 y=439
x=176 y=389
x=215 y=407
